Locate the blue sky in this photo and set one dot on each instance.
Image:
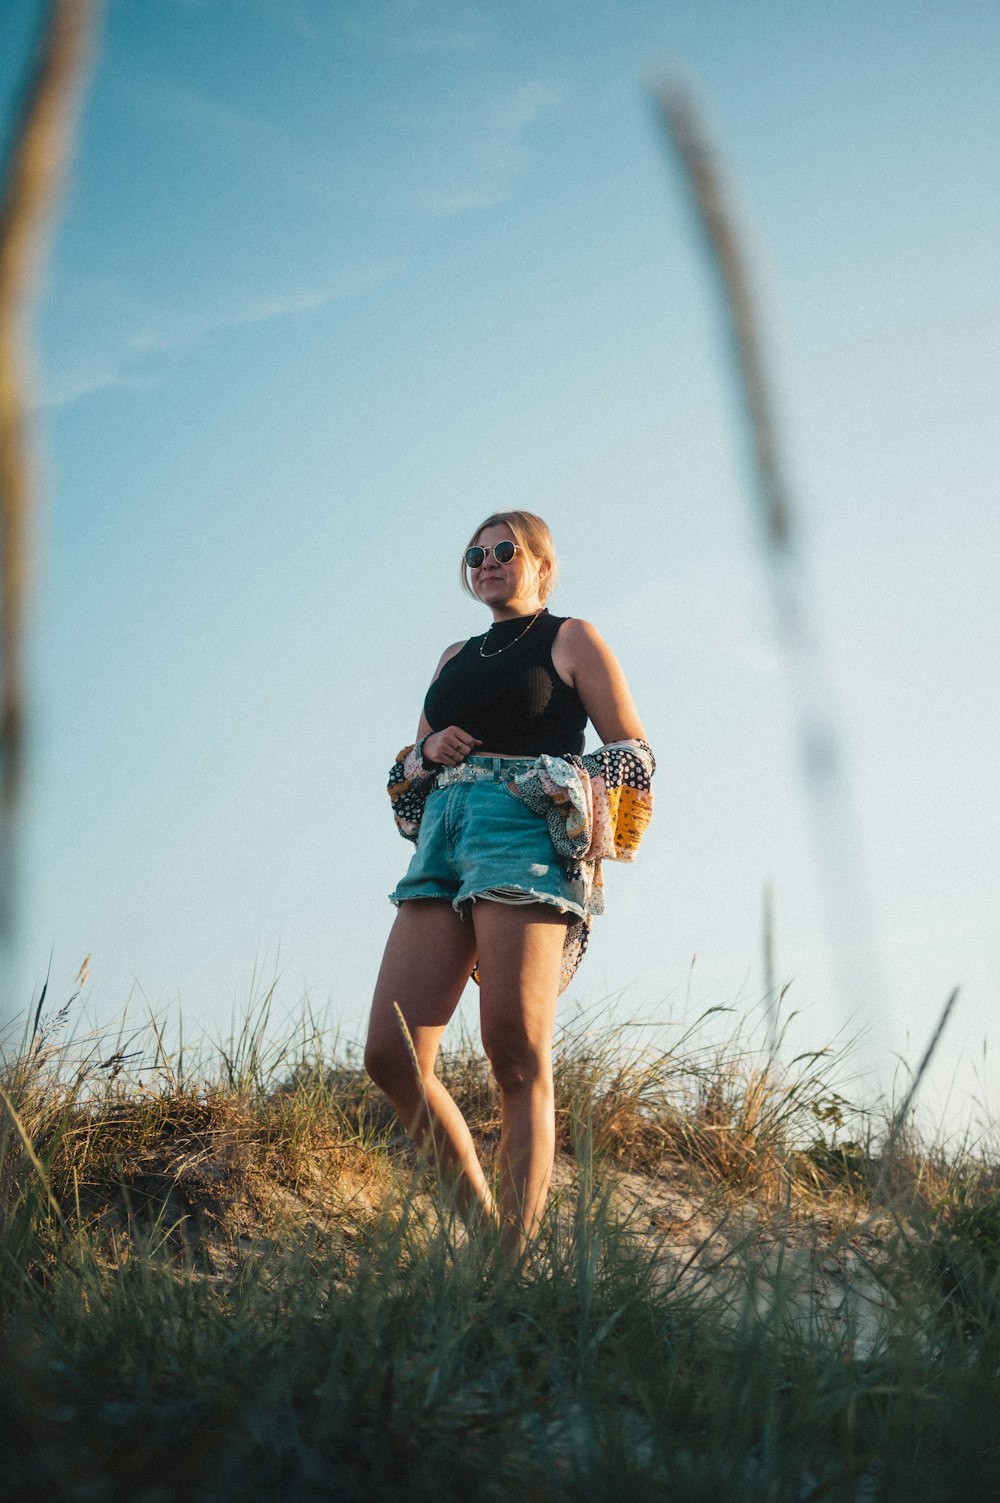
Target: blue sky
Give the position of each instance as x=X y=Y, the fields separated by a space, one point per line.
x=332 y=281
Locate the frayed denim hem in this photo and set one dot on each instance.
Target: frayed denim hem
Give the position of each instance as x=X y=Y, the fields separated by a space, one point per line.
x=520 y=897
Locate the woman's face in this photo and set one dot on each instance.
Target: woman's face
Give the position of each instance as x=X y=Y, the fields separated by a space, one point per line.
x=509 y=587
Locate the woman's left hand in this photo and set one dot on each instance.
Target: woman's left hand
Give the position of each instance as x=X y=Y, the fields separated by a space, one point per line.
x=449 y=747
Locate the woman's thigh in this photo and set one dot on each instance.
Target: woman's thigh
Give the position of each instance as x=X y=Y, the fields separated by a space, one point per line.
x=520 y=960
x=428 y=959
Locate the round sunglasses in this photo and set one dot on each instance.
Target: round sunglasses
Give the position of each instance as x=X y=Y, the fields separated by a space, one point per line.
x=503 y=552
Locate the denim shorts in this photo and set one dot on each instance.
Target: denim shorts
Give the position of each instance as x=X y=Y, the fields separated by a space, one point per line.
x=478 y=840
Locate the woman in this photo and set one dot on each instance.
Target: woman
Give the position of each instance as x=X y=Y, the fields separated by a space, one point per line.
x=510 y=819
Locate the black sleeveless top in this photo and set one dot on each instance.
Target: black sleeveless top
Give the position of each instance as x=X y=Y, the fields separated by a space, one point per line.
x=513 y=700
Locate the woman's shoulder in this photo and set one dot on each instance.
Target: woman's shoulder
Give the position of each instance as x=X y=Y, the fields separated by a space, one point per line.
x=575 y=634
x=578 y=645
x=451 y=652
x=574 y=646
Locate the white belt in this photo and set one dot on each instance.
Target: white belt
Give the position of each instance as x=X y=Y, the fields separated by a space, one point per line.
x=484 y=769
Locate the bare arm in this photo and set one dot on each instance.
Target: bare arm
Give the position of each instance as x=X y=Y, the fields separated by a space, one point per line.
x=582 y=658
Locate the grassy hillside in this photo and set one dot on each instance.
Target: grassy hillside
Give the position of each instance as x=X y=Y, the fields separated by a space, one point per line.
x=229 y=1278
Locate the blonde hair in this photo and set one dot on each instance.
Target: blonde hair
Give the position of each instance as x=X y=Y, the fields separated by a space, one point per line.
x=531 y=534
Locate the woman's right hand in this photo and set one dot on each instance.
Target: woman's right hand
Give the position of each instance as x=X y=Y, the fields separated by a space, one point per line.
x=449 y=747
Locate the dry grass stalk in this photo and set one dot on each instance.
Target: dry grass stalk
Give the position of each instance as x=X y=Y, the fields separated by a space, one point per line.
x=704 y=1134
x=33 y=172
x=899 y=1119
x=205 y=1162
x=230 y=1262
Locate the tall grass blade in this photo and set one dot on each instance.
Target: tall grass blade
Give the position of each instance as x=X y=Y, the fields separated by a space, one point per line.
x=34 y=1160
x=903 y=1111
x=848 y=910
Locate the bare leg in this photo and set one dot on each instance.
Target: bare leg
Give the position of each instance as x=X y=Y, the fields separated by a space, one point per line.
x=428 y=959
x=520 y=956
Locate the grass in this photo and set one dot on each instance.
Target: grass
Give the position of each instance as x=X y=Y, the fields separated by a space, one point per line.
x=229 y=1277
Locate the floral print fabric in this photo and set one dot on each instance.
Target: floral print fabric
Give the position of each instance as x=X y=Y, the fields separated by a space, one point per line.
x=597 y=808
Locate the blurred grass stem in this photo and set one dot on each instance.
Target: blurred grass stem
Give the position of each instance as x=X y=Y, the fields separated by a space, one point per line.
x=39 y=147
x=848 y=911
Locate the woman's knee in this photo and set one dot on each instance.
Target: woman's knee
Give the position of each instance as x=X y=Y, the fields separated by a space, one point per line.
x=516 y=1062
x=390 y=1065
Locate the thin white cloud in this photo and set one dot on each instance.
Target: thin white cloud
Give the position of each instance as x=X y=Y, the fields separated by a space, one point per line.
x=431 y=39
x=216 y=128
x=516 y=110
x=146 y=334
x=294 y=16
x=261 y=150
x=289 y=15
x=487 y=147
x=462 y=202
x=223 y=124
x=173 y=330
x=83 y=377
x=422 y=28
x=463 y=152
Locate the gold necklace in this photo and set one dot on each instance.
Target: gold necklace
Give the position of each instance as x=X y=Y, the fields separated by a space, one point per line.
x=517 y=639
